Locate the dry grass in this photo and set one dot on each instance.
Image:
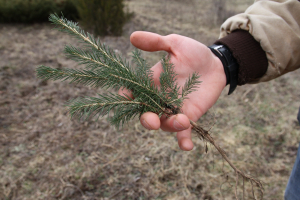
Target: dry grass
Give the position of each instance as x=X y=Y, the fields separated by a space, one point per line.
x=45 y=155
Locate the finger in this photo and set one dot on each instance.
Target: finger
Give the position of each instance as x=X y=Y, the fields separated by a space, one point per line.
x=126 y=93
x=185 y=140
x=150 y=121
x=157 y=70
x=150 y=41
x=175 y=123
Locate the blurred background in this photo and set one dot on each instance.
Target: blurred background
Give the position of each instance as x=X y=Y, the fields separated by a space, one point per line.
x=46 y=155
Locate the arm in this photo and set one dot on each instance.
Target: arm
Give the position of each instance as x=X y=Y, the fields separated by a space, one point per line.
x=267 y=29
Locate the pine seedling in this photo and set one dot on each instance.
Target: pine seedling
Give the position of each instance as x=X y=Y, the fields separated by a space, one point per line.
x=106 y=69
x=103 y=68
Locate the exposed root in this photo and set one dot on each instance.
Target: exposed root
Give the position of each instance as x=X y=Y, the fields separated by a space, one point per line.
x=204 y=135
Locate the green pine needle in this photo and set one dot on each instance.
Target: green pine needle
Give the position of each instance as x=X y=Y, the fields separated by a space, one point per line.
x=103 y=68
x=190 y=85
x=103 y=104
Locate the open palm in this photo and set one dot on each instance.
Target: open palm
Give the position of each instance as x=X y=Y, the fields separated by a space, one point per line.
x=188 y=56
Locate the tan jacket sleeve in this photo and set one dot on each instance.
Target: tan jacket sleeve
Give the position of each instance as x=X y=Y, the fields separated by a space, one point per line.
x=276 y=26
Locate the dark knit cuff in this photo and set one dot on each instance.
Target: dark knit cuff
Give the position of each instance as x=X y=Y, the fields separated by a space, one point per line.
x=250 y=56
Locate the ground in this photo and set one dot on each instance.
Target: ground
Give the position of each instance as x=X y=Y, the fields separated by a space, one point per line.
x=46 y=155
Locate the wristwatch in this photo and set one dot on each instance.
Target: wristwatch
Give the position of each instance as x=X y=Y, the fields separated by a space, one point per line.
x=229 y=63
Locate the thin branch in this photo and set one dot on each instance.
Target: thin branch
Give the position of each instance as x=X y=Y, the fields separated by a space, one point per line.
x=144 y=87
x=86 y=39
x=90 y=59
x=63 y=73
x=114 y=103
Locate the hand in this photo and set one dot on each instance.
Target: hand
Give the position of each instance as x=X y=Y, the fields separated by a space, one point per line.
x=188 y=56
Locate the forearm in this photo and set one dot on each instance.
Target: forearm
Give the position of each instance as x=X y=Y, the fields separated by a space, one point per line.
x=265 y=40
x=251 y=58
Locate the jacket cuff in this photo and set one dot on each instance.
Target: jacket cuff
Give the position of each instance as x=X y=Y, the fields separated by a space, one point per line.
x=252 y=59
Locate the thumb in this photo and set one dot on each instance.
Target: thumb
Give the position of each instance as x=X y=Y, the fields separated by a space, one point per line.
x=150 y=41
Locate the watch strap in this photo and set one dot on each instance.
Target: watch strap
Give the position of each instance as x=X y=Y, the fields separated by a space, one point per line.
x=229 y=63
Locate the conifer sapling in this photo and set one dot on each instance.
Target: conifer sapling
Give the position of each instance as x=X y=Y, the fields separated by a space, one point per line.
x=103 y=68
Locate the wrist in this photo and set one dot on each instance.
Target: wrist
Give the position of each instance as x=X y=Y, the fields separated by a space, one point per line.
x=218 y=66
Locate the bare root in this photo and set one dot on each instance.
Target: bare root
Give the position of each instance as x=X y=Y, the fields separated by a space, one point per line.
x=204 y=135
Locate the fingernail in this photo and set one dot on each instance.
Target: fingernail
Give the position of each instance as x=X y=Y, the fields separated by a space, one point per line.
x=177 y=125
x=146 y=125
